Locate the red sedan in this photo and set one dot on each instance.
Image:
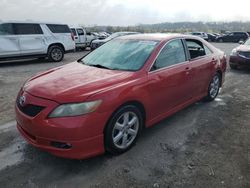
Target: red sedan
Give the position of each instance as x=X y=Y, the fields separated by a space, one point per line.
x=103 y=101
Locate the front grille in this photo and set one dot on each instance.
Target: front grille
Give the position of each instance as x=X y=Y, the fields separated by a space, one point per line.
x=245 y=54
x=30 y=109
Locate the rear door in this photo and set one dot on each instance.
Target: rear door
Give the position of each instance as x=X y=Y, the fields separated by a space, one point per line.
x=170 y=78
x=202 y=63
x=31 y=38
x=9 y=42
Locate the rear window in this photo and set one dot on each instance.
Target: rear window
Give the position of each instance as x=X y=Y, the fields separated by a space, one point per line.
x=54 y=28
x=27 y=29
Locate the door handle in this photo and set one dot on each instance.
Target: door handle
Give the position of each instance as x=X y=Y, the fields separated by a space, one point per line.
x=187 y=69
x=214 y=61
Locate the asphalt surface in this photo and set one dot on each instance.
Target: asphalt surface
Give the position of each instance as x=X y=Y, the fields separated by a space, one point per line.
x=204 y=145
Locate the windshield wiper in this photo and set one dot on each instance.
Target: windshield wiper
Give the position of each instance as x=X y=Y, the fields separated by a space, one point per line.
x=99 y=66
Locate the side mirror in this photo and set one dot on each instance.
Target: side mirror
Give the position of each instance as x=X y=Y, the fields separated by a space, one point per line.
x=241 y=42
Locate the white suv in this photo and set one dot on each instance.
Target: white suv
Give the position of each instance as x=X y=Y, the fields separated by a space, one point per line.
x=39 y=40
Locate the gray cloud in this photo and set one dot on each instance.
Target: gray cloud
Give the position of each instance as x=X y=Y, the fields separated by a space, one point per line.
x=98 y=12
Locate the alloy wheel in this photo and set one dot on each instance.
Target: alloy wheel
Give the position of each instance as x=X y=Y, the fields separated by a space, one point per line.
x=125 y=130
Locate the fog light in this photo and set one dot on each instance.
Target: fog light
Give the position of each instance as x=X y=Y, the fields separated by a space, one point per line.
x=61 y=145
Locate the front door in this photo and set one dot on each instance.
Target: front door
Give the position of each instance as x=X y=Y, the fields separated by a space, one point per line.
x=81 y=36
x=170 y=79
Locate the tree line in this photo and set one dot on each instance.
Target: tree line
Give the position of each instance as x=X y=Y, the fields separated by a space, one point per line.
x=178 y=27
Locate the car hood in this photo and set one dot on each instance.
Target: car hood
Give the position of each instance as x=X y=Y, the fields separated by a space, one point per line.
x=74 y=82
x=243 y=48
x=101 y=40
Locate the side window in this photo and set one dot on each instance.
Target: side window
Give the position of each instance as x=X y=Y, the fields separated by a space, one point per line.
x=173 y=53
x=27 y=29
x=80 y=32
x=6 y=29
x=195 y=48
x=56 y=28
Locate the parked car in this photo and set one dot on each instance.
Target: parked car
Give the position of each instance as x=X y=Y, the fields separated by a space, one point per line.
x=39 y=40
x=102 y=35
x=233 y=37
x=240 y=55
x=82 y=38
x=97 y=35
x=98 y=42
x=211 y=37
x=103 y=101
x=200 y=34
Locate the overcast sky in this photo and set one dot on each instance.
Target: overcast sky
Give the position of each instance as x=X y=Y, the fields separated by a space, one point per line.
x=124 y=12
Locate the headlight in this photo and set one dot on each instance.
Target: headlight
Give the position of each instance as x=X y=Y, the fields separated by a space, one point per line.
x=75 y=109
x=234 y=52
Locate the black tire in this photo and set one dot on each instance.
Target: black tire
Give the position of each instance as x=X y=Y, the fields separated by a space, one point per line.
x=55 y=53
x=232 y=66
x=111 y=133
x=212 y=94
x=221 y=40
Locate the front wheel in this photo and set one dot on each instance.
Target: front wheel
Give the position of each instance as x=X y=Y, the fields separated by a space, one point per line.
x=214 y=87
x=55 y=53
x=123 y=129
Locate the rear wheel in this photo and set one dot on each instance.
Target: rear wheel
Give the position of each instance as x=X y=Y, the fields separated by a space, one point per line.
x=214 y=87
x=123 y=129
x=55 y=53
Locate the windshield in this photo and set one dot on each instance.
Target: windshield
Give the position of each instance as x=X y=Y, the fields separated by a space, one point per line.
x=121 y=54
x=247 y=42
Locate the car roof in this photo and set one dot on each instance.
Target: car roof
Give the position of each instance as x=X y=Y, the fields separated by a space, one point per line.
x=30 y=22
x=157 y=36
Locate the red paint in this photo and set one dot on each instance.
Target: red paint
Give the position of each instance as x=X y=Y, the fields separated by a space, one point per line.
x=162 y=93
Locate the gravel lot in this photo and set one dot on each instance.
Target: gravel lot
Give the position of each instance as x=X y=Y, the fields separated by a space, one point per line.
x=204 y=145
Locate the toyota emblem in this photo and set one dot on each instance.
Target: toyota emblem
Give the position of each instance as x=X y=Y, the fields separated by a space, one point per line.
x=22 y=100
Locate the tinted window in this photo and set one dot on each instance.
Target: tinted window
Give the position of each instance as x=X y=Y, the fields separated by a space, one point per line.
x=6 y=29
x=27 y=29
x=56 y=28
x=173 y=53
x=195 y=48
x=73 y=31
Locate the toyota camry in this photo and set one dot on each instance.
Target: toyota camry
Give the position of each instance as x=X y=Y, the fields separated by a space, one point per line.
x=102 y=102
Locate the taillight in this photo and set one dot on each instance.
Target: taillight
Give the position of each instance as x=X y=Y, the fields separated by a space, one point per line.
x=72 y=36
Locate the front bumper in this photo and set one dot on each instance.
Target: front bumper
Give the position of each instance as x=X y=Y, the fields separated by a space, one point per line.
x=83 y=133
x=239 y=60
